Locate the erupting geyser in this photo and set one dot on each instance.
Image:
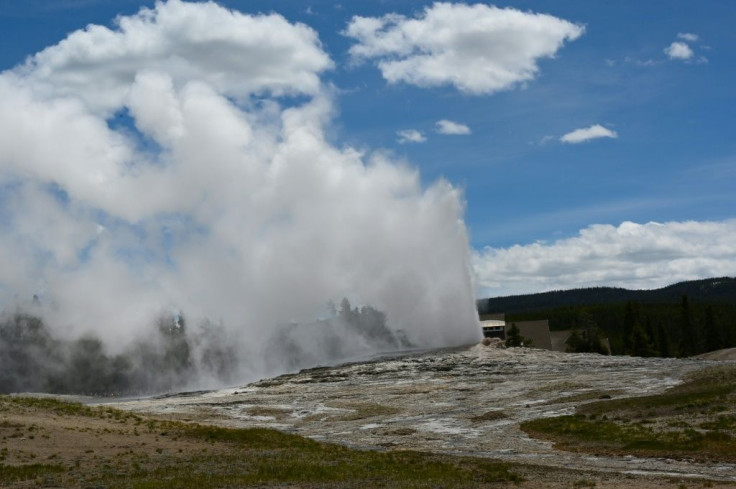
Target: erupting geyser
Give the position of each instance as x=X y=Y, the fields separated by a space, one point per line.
x=178 y=163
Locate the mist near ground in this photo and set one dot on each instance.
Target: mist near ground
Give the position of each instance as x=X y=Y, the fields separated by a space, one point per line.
x=170 y=357
x=162 y=169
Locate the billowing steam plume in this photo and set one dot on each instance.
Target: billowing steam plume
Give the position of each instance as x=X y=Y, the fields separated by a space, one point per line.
x=177 y=167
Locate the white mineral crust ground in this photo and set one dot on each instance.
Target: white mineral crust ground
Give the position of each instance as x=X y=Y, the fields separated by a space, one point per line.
x=430 y=402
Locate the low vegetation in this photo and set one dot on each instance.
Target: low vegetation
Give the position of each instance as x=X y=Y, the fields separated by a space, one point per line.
x=111 y=448
x=694 y=420
x=488 y=417
x=17 y=473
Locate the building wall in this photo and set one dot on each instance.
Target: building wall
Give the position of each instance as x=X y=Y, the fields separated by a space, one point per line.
x=493 y=328
x=559 y=339
x=537 y=331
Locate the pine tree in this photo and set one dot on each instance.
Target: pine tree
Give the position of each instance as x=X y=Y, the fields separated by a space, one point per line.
x=641 y=342
x=630 y=318
x=711 y=332
x=513 y=337
x=574 y=341
x=589 y=340
x=664 y=345
x=688 y=335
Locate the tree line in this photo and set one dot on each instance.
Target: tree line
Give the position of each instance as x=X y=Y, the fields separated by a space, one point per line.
x=683 y=319
x=34 y=359
x=679 y=329
x=720 y=290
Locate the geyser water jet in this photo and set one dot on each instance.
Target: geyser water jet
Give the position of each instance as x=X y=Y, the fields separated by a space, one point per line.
x=165 y=165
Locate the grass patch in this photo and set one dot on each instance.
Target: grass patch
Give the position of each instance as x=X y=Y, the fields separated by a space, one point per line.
x=49 y=404
x=583 y=483
x=185 y=455
x=401 y=431
x=582 y=396
x=248 y=437
x=627 y=437
x=346 y=469
x=9 y=425
x=722 y=423
x=266 y=411
x=661 y=425
x=63 y=408
x=268 y=458
x=489 y=416
x=15 y=473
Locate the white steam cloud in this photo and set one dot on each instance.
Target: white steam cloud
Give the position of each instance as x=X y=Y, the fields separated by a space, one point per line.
x=157 y=167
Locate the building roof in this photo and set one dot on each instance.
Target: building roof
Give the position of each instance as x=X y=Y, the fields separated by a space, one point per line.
x=492 y=323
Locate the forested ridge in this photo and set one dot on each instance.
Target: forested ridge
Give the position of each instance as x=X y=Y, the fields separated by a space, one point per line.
x=682 y=319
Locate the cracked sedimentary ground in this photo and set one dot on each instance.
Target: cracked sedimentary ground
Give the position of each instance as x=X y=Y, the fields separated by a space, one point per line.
x=465 y=401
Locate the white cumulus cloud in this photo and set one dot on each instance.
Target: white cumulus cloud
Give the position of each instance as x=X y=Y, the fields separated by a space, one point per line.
x=410 y=136
x=451 y=128
x=478 y=49
x=679 y=50
x=631 y=255
x=687 y=36
x=586 y=134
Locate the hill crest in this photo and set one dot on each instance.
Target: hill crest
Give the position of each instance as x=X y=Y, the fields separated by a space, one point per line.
x=710 y=290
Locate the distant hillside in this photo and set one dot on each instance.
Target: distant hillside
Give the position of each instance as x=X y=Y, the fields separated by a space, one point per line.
x=711 y=290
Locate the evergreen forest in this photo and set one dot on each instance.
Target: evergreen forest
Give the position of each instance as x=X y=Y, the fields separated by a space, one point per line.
x=681 y=320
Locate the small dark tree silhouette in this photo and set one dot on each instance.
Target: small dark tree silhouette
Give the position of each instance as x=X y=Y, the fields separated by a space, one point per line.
x=513 y=337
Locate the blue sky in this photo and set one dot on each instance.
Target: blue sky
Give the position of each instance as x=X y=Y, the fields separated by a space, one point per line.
x=672 y=160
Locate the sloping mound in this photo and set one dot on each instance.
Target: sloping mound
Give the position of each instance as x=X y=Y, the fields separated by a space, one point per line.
x=721 y=355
